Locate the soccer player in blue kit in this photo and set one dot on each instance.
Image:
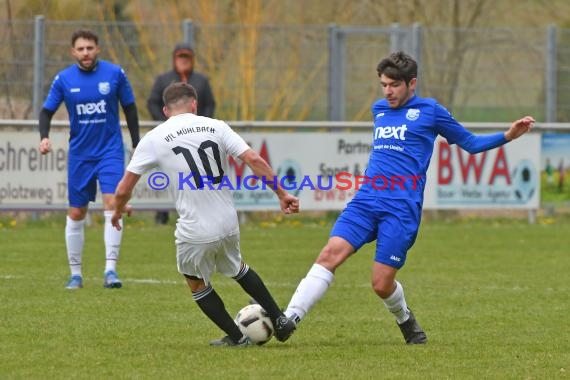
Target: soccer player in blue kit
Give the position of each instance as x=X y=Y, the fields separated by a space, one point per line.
x=92 y=90
x=405 y=128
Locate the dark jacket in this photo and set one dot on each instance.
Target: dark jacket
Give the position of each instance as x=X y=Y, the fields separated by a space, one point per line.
x=206 y=102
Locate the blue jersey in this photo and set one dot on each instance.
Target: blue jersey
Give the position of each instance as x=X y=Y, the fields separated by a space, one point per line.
x=92 y=100
x=403 y=143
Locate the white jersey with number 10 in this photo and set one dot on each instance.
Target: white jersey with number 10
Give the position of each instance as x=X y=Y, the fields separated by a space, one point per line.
x=193 y=152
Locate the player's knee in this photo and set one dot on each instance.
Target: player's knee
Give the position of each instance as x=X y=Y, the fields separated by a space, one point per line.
x=108 y=202
x=195 y=284
x=383 y=287
x=76 y=213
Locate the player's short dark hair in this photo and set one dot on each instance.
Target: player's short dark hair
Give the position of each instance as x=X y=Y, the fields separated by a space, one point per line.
x=86 y=34
x=398 y=66
x=178 y=91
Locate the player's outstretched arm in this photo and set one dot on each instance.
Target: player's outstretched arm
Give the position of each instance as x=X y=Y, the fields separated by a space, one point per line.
x=122 y=196
x=519 y=127
x=289 y=204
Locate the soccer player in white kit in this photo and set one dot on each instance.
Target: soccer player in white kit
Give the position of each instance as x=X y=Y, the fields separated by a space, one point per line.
x=193 y=152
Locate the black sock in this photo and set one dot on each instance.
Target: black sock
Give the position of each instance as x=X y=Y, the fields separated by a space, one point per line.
x=250 y=281
x=213 y=306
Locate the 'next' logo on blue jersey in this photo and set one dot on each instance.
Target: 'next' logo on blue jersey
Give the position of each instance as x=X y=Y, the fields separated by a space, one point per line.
x=399 y=133
x=91 y=108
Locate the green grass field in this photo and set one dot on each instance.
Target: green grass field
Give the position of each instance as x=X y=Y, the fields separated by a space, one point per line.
x=492 y=295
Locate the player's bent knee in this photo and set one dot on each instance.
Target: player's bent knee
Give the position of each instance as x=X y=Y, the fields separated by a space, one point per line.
x=383 y=286
x=381 y=289
x=194 y=283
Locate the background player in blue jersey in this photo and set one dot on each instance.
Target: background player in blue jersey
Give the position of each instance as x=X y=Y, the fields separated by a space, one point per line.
x=388 y=208
x=92 y=90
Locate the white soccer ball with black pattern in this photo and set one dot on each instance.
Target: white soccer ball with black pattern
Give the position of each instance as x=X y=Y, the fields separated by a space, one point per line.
x=254 y=322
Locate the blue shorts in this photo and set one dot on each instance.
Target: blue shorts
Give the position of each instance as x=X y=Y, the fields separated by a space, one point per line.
x=82 y=177
x=393 y=223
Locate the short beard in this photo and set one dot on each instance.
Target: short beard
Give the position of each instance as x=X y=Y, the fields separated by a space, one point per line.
x=90 y=68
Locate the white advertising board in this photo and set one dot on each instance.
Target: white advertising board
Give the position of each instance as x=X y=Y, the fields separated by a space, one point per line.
x=305 y=162
x=506 y=177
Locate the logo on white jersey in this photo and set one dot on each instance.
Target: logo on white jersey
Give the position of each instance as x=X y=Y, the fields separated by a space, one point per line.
x=104 y=88
x=413 y=114
x=91 y=108
x=399 y=133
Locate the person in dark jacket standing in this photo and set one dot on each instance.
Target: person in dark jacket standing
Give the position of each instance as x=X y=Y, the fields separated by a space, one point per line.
x=183 y=61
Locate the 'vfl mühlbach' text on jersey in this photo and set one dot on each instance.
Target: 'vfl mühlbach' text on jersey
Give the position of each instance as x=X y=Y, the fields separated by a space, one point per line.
x=92 y=101
x=403 y=143
x=189 y=149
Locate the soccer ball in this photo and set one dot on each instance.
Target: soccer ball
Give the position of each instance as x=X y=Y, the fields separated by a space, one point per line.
x=254 y=323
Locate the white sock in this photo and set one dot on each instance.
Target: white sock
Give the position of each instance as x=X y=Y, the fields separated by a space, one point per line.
x=310 y=290
x=74 y=239
x=112 y=239
x=396 y=304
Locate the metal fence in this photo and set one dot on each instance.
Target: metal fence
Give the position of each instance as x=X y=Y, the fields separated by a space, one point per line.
x=299 y=73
